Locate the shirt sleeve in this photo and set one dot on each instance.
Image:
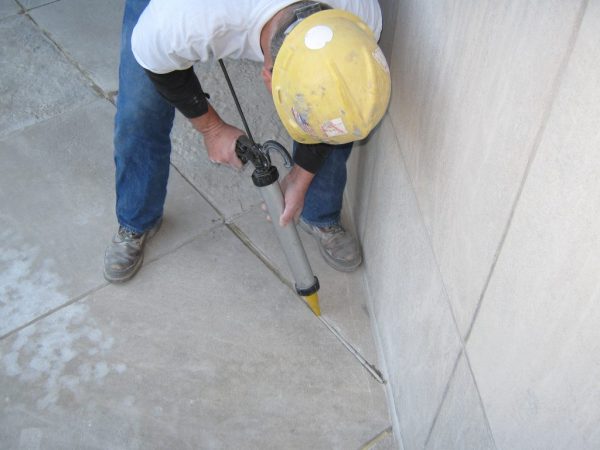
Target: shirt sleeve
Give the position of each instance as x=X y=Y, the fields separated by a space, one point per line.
x=160 y=40
x=312 y=156
x=181 y=88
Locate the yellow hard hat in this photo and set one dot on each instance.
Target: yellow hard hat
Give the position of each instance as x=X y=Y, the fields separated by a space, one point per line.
x=331 y=82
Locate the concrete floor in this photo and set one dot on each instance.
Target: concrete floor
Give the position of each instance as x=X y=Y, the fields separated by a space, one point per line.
x=207 y=347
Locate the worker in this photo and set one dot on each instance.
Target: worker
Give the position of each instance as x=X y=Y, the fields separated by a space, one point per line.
x=297 y=42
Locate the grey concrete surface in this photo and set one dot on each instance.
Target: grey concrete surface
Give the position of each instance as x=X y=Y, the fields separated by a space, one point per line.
x=206 y=347
x=174 y=360
x=8 y=8
x=58 y=180
x=461 y=422
x=92 y=40
x=37 y=82
x=31 y=4
x=412 y=312
x=481 y=78
x=541 y=315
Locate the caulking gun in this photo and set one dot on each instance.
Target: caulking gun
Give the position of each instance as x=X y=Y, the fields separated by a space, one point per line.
x=266 y=178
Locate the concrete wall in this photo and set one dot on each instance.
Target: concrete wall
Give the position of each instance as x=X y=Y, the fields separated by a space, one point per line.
x=478 y=205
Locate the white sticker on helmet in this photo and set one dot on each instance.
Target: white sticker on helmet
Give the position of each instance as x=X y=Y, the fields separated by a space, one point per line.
x=334 y=127
x=317 y=37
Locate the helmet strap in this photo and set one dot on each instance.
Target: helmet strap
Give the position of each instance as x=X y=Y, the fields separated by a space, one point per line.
x=303 y=12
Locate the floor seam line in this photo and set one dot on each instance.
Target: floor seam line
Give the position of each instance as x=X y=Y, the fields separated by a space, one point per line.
x=55 y=310
x=169 y=252
x=7 y=135
x=370 y=368
x=107 y=95
x=247 y=242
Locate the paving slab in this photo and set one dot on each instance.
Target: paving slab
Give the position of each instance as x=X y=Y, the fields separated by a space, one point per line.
x=8 y=8
x=535 y=345
x=203 y=349
x=93 y=39
x=37 y=81
x=342 y=295
x=419 y=338
x=466 y=153
x=461 y=422
x=57 y=192
x=232 y=192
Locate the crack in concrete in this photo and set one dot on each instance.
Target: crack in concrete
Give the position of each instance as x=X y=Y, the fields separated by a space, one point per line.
x=101 y=286
x=54 y=310
x=373 y=371
x=108 y=96
x=370 y=368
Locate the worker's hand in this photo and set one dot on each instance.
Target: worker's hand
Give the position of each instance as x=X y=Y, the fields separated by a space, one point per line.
x=219 y=138
x=294 y=186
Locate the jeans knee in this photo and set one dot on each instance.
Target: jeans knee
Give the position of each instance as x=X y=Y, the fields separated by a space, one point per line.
x=143 y=120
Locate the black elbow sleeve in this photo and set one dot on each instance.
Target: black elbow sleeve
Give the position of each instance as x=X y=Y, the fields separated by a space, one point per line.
x=312 y=156
x=181 y=89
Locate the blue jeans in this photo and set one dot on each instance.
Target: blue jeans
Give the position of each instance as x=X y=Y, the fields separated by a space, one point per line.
x=142 y=143
x=142 y=137
x=323 y=201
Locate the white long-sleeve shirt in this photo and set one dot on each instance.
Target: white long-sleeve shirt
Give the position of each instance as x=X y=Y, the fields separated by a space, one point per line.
x=174 y=34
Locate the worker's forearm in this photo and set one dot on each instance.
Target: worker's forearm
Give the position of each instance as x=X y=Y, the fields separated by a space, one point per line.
x=300 y=177
x=208 y=123
x=182 y=89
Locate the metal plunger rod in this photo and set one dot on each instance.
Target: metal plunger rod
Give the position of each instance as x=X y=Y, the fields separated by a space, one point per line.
x=235 y=99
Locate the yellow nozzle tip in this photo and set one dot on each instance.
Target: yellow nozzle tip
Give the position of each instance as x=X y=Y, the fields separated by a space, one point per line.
x=312 y=301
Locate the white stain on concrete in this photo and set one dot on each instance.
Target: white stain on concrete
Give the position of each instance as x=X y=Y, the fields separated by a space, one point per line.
x=59 y=355
x=29 y=286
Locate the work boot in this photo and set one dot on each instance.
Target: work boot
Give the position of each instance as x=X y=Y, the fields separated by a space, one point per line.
x=124 y=255
x=340 y=248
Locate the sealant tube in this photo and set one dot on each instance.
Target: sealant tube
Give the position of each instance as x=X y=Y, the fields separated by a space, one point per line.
x=307 y=283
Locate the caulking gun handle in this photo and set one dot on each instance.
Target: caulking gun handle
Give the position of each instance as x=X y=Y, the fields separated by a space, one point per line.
x=243 y=147
x=276 y=146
